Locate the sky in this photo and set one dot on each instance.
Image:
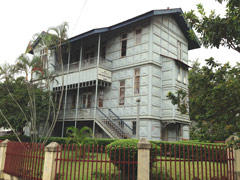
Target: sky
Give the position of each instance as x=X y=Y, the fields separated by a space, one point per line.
x=20 y=20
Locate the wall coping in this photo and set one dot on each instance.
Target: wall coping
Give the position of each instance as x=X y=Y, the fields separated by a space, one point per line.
x=144 y=144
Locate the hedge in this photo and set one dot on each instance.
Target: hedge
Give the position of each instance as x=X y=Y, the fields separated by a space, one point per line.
x=188 y=150
x=14 y=138
x=59 y=140
x=124 y=150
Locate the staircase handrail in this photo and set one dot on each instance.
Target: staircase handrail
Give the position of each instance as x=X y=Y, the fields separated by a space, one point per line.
x=110 y=120
x=121 y=120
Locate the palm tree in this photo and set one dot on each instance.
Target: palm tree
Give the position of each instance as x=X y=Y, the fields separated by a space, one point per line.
x=78 y=136
x=27 y=65
x=54 y=38
x=7 y=72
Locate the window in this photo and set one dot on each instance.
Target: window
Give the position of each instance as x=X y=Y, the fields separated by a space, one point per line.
x=86 y=101
x=137 y=81
x=178 y=72
x=179 y=50
x=184 y=76
x=103 y=51
x=89 y=55
x=122 y=92
x=124 y=45
x=43 y=57
x=134 y=127
x=74 y=98
x=100 y=99
x=138 y=36
x=185 y=80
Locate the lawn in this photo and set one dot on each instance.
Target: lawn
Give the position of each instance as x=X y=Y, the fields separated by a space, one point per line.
x=189 y=169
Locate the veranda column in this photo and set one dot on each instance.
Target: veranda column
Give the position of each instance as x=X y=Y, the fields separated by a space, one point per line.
x=66 y=93
x=143 y=167
x=96 y=90
x=3 y=150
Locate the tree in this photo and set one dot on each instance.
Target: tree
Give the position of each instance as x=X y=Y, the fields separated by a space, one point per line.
x=14 y=104
x=214 y=30
x=214 y=88
x=37 y=97
x=27 y=65
x=78 y=136
x=213 y=100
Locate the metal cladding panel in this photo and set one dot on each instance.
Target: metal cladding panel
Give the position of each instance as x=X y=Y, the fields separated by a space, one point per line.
x=128 y=111
x=144 y=100
x=156 y=111
x=143 y=131
x=156 y=129
x=128 y=101
x=144 y=90
x=185 y=132
x=76 y=77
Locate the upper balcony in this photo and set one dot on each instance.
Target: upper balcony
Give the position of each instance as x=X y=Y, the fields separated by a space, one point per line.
x=85 y=64
x=85 y=73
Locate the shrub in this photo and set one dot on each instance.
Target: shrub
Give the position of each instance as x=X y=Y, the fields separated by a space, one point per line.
x=14 y=138
x=188 y=149
x=124 y=150
x=89 y=141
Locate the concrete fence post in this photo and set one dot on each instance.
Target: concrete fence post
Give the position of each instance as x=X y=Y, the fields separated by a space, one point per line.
x=236 y=156
x=3 y=149
x=49 y=161
x=143 y=168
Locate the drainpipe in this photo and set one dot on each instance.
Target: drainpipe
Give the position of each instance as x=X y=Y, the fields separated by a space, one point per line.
x=96 y=90
x=138 y=119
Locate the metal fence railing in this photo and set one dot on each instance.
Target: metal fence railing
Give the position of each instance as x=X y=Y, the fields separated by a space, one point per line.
x=24 y=160
x=168 y=161
x=195 y=162
x=95 y=162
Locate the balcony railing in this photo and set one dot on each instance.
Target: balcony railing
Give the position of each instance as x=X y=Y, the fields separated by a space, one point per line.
x=85 y=64
x=82 y=113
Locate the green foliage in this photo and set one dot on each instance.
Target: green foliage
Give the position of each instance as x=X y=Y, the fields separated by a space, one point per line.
x=215 y=30
x=179 y=100
x=182 y=148
x=214 y=100
x=11 y=110
x=78 y=136
x=14 y=138
x=117 y=153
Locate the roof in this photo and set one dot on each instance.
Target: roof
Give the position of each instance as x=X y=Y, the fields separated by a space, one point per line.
x=177 y=14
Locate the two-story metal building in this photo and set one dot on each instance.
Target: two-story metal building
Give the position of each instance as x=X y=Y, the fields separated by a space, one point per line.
x=108 y=69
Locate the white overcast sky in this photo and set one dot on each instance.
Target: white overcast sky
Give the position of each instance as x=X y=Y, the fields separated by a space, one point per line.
x=21 y=19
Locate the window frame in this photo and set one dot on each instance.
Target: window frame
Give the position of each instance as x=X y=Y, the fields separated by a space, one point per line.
x=134 y=127
x=138 y=36
x=74 y=101
x=136 y=76
x=85 y=103
x=179 y=50
x=122 y=88
x=124 y=45
x=100 y=98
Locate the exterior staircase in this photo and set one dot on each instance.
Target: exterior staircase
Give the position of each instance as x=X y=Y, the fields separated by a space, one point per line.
x=113 y=125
